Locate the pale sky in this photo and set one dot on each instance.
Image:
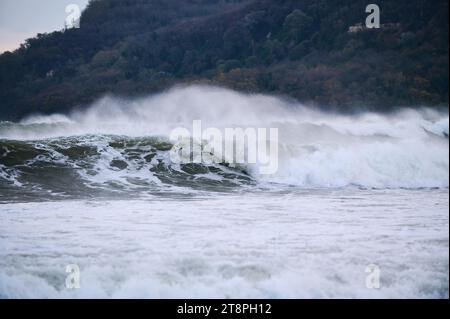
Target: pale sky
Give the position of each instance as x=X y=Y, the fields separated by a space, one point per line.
x=23 y=19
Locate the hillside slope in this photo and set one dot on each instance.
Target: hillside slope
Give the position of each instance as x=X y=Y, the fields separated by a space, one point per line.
x=302 y=49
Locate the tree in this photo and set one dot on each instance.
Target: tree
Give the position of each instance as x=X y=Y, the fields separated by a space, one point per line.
x=297 y=25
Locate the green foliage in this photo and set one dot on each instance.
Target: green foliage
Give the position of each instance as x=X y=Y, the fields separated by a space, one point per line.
x=297 y=25
x=302 y=49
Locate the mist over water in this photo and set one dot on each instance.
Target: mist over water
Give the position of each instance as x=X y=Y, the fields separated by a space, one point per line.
x=405 y=149
x=97 y=188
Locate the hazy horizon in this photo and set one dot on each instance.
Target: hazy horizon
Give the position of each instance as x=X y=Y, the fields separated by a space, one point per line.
x=24 y=19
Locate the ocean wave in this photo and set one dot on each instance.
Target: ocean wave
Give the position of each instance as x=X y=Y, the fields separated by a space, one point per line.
x=122 y=145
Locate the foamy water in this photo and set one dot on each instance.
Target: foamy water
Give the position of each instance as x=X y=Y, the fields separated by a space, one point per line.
x=299 y=244
x=408 y=148
x=97 y=189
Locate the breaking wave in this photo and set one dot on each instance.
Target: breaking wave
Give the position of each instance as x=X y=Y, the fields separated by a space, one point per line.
x=121 y=146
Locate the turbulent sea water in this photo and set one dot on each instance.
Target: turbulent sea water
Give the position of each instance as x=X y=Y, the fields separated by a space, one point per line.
x=97 y=189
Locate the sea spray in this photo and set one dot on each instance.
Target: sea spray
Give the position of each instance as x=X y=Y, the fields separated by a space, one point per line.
x=120 y=145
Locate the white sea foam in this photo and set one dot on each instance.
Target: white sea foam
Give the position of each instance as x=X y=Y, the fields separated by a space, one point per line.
x=263 y=239
x=407 y=148
x=308 y=244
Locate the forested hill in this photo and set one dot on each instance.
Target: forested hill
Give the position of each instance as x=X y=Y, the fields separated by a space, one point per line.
x=301 y=48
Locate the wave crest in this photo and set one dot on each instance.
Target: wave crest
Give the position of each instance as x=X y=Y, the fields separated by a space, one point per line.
x=408 y=148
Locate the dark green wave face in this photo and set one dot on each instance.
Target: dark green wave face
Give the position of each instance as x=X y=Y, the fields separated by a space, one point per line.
x=96 y=166
x=122 y=149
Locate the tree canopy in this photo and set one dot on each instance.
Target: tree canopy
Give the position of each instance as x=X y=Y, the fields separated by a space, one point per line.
x=303 y=49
